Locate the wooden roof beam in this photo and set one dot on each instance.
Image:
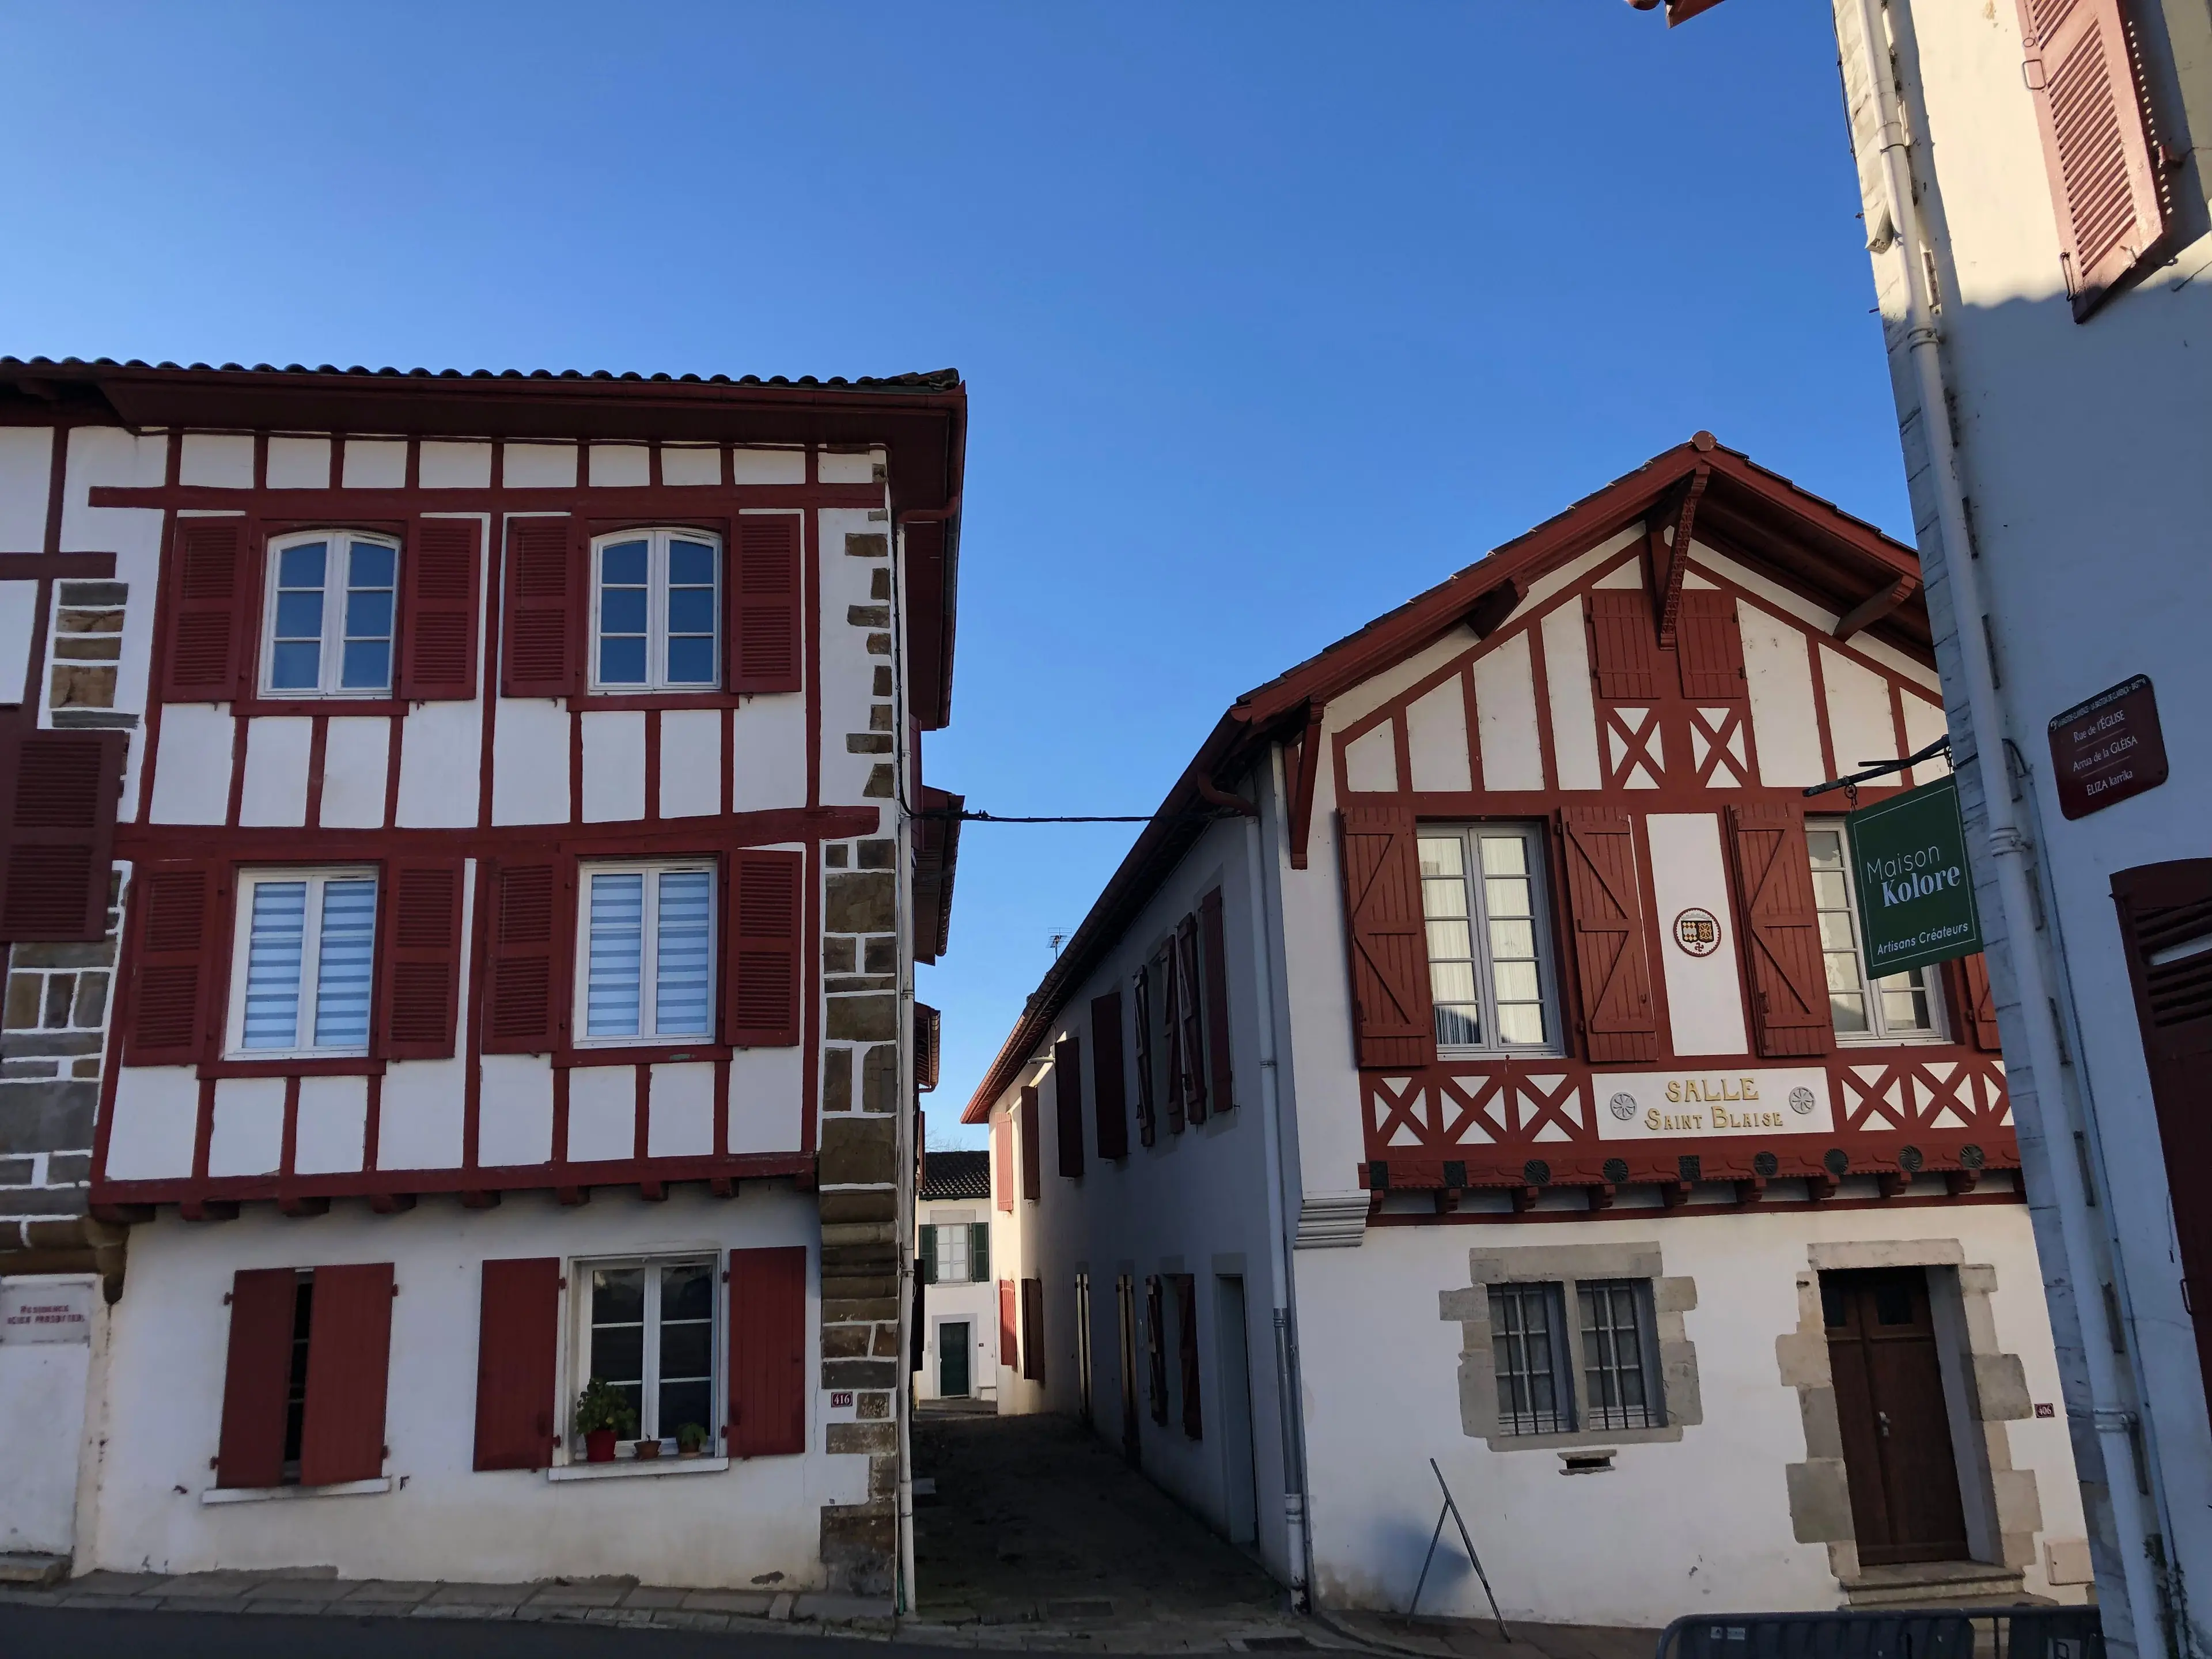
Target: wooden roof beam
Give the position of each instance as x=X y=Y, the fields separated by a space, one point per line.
x=1682 y=515
x=1877 y=605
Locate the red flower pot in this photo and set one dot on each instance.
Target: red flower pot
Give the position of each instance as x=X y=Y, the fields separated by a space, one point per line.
x=599 y=1446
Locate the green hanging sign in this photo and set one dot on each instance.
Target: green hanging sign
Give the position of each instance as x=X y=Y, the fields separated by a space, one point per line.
x=1915 y=888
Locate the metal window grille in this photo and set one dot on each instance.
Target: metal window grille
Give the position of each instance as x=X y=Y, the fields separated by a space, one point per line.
x=1620 y=1389
x=1529 y=1339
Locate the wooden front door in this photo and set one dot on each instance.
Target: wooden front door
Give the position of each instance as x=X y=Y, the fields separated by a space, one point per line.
x=1906 y=1505
x=1124 y=1298
x=952 y=1342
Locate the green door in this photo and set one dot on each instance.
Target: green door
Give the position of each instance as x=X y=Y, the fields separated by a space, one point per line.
x=953 y=1359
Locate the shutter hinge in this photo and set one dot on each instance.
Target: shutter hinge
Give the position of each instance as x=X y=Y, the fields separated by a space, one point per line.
x=561 y=1283
x=226 y=1298
x=384 y=1452
x=395 y=1288
x=215 y=1462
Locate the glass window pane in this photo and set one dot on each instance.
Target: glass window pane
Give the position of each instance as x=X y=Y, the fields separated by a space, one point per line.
x=690 y=564
x=1830 y=892
x=1449 y=939
x=369 y=613
x=685 y=1402
x=1506 y=896
x=343 y=962
x=1444 y=896
x=295 y=665
x=302 y=566
x=368 y=665
x=618 y=1353
x=614 y=976
x=1904 y=1003
x=691 y=610
x=1512 y=939
x=617 y=1296
x=952 y=1254
x=681 y=967
x=622 y=611
x=1451 y=982
x=369 y=564
x=623 y=563
x=272 y=964
x=1505 y=855
x=300 y=616
x=1835 y=931
x=1442 y=855
x=1515 y=982
x=1847 y=1010
x=1842 y=969
x=688 y=1291
x=1827 y=847
x=1458 y=1026
x=622 y=662
x=685 y=1348
x=691 y=662
x=1522 y=1022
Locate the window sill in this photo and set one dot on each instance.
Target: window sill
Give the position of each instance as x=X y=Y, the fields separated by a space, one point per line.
x=639 y=1053
x=1494 y=1056
x=619 y=702
x=623 y=1467
x=267 y=1494
x=329 y=702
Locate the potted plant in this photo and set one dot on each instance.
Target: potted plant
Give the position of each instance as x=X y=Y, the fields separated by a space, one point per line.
x=646 y=1448
x=690 y=1439
x=603 y=1417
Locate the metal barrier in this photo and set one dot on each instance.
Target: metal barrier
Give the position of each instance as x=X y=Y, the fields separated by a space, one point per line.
x=2021 y=1632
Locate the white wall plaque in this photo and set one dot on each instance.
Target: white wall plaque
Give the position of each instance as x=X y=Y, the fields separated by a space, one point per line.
x=1687 y=1104
x=45 y=1313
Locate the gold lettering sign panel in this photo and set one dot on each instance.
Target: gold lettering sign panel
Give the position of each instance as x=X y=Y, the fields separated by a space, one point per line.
x=1683 y=1105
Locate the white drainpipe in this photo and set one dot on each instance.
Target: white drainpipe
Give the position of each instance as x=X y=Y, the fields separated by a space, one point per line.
x=1271 y=1137
x=2008 y=848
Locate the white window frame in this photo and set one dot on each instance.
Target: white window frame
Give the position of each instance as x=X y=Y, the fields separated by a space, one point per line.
x=657 y=541
x=648 y=989
x=317 y=876
x=1548 y=981
x=579 y=1357
x=332 y=661
x=1877 y=1034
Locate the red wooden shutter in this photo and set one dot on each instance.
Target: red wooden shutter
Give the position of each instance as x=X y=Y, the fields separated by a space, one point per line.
x=1032 y=1160
x=1977 y=1003
x=256 y=1376
x=60 y=829
x=1002 y=1160
x=759 y=1004
x=1610 y=963
x=768 y=1351
x=438 y=584
x=1214 y=948
x=540 y=604
x=2166 y=930
x=1392 y=1022
x=210 y=596
x=518 y=1345
x=1147 y=1091
x=2098 y=147
x=1067 y=1103
x=1009 y=1349
x=1167 y=1049
x=1790 y=1010
x=764 y=604
x=1033 y=1329
x=419 y=961
x=349 y=1353
x=1155 y=1345
x=1624 y=649
x=1190 y=1030
x=1709 y=647
x=1108 y=1086
x=526 y=993
x=173 y=969
x=1194 y=1418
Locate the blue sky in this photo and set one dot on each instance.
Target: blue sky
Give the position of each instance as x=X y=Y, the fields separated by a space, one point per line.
x=1271 y=315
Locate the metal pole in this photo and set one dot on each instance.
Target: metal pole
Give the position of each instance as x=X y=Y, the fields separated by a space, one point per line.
x=1474 y=1560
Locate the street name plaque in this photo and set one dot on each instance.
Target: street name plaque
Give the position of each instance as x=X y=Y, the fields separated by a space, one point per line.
x=2107 y=749
x=1916 y=889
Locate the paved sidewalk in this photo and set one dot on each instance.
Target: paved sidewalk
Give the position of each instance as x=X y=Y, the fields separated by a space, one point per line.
x=620 y=1601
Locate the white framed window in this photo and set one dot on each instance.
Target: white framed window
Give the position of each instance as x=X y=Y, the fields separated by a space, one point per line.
x=1490 y=976
x=303 y=962
x=1896 y=1008
x=656 y=611
x=647 y=971
x=648 y=1327
x=331 y=600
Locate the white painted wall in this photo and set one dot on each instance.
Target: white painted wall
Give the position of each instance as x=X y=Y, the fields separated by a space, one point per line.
x=441 y=1519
